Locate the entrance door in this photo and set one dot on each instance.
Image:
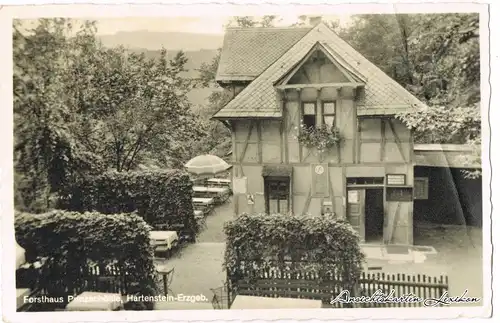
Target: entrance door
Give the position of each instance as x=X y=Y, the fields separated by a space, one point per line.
x=356 y=210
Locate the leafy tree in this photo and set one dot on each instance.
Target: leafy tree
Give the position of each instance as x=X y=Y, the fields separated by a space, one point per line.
x=79 y=108
x=138 y=108
x=436 y=57
x=46 y=155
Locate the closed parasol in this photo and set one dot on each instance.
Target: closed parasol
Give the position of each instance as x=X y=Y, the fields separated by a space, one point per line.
x=206 y=165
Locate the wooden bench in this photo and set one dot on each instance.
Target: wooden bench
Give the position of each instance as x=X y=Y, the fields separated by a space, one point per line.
x=219 y=182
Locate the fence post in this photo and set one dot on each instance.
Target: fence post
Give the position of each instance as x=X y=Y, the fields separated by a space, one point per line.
x=355 y=292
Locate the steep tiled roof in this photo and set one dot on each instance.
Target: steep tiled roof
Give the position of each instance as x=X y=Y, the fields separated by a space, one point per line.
x=381 y=93
x=246 y=52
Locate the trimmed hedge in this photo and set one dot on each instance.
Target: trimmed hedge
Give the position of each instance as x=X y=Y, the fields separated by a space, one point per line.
x=321 y=244
x=160 y=197
x=72 y=240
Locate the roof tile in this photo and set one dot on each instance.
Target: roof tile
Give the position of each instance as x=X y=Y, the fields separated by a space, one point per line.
x=246 y=52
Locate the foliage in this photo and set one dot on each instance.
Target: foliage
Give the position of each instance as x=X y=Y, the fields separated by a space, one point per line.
x=218 y=134
x=131 y=108
x=159 y=197
x=322 y=244
x=71 y=241
x=322 y=138
x=436 y=57
x=442 y=124
x=81 y=108
x=46 y=155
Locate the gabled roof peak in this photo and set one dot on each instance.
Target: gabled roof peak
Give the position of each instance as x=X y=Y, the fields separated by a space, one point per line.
x=260 y=98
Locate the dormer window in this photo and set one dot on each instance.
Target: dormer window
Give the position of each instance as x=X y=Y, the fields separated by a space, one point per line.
x=309 y=114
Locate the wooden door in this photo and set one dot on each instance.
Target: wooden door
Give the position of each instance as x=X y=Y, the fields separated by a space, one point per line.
x=356 y=210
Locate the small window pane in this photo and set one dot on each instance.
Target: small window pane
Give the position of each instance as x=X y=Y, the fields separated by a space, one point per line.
x=309 y=109
x=273 y=206
x=309 y=121
x=329 y=108
x=283 y=204
x=329 y=120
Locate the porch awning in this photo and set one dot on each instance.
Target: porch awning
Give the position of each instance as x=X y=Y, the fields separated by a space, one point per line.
x=454 y=156
x=277 y=171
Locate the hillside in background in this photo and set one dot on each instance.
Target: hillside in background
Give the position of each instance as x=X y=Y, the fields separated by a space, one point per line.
x=199 y=49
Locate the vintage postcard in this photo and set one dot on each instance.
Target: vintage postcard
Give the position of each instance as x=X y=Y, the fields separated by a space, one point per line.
x=216 y=162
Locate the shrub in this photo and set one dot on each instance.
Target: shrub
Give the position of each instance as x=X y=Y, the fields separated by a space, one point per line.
x=321 y=244
x=159 y=197
x=71 y=241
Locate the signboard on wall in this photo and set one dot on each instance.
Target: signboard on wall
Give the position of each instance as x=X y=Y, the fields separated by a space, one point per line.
x=396 y=179
x=240 y=185
x=320 y=179
x=352 y=196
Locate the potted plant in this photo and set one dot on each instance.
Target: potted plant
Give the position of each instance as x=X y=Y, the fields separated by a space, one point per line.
x=322 y=138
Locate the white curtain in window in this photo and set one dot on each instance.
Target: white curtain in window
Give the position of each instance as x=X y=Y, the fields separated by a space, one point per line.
x=329 y=120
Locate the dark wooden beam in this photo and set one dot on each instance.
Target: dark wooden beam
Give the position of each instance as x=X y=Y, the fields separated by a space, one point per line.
x=308 y=79
x=344 y=193
x=299 y=92
x=233 y=139
x=338 y=101
x=398 y=142
x=308 y=202
x=411 y=147
x=250 y=128
x=330 y=189
x=259 y=138
x=283 y=146
x=383 y=139
x=283 y=127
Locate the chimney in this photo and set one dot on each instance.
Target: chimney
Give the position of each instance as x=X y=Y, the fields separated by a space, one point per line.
x=315 y=20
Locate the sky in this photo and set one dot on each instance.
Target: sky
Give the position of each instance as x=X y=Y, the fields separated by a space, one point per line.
x=203 y=25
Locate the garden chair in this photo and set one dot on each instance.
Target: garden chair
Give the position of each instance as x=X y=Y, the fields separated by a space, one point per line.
x=168 y=277
x=220 y=298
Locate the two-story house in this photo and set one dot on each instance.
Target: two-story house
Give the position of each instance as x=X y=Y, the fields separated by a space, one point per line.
x=281 y=78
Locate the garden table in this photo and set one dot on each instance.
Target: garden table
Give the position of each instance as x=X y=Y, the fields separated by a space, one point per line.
x=94 y=301
x=164 y=240
x=255 y=302
x=219 y=182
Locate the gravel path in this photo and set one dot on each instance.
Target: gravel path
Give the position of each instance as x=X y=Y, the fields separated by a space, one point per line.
x=198 y=266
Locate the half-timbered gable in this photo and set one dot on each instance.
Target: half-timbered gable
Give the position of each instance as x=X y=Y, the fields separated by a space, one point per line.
x=281 y=78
